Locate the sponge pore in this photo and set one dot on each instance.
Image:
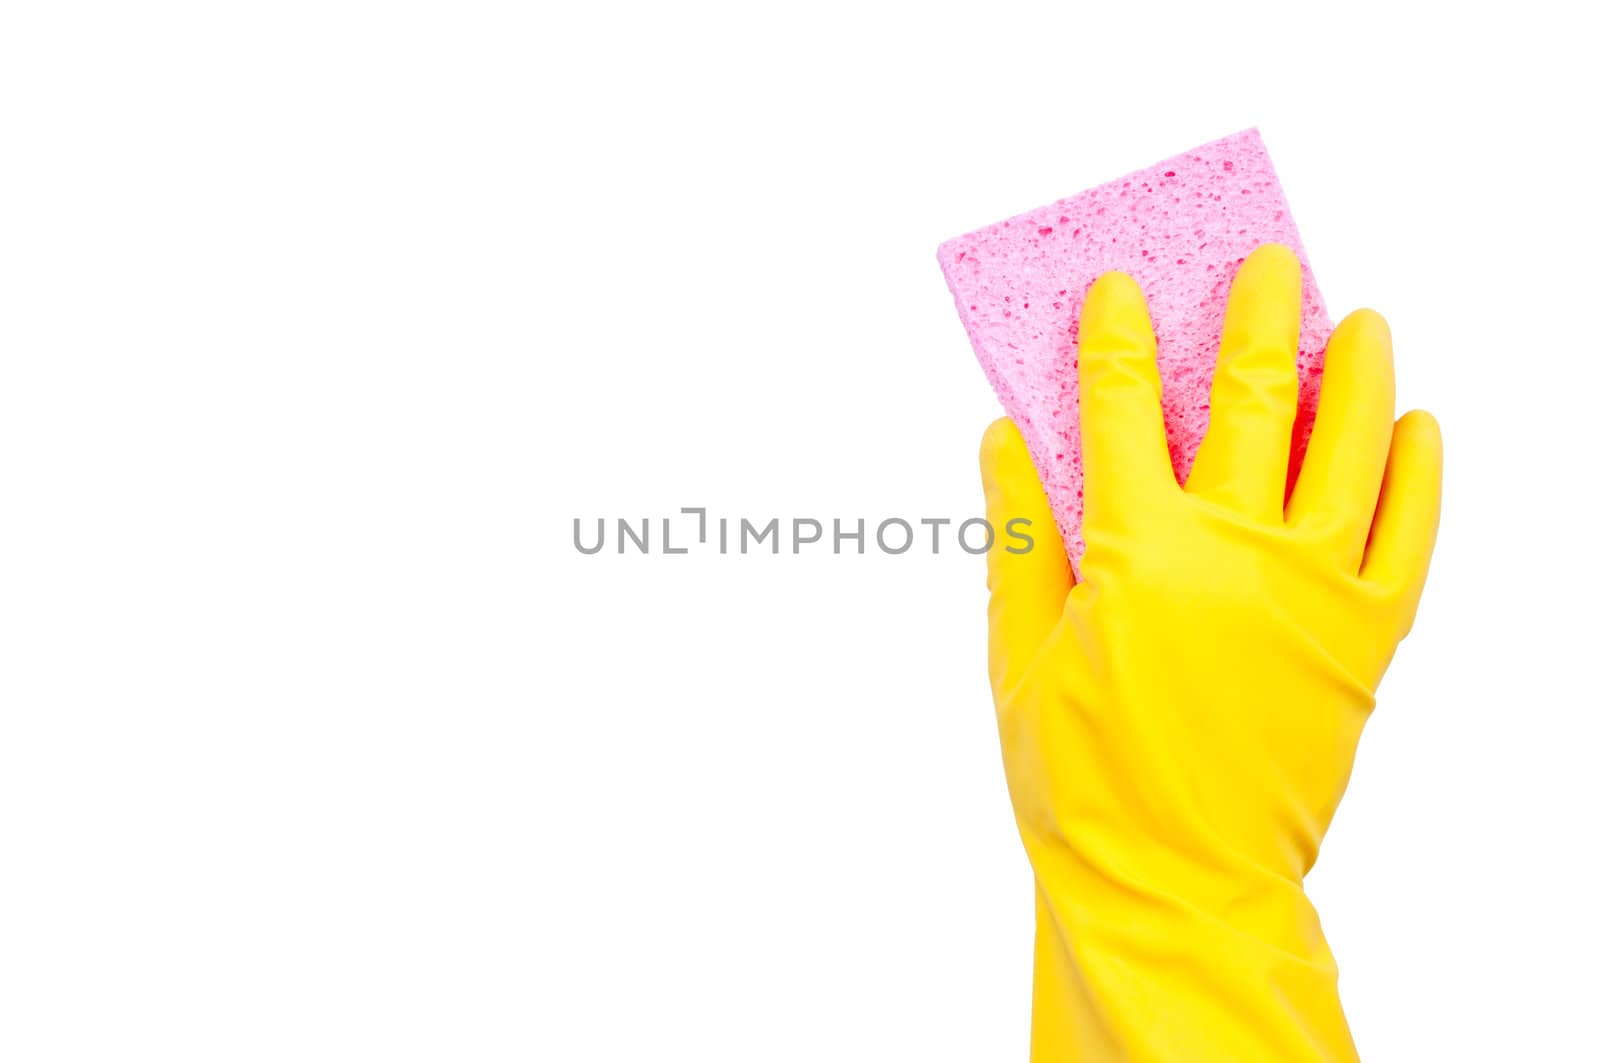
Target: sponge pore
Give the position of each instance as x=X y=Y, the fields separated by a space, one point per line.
x=1180 y=228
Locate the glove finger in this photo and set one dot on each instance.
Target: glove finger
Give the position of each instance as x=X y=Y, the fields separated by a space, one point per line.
x=1407 y=518
x=1027 y=589
x=1338 y=485
x=1125 y=455
x=1243 y=461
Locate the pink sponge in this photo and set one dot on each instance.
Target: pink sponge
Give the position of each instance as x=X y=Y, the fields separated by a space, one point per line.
x=1180 y=228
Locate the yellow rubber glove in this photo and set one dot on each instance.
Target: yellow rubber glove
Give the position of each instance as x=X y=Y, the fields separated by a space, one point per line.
x=1179 y=726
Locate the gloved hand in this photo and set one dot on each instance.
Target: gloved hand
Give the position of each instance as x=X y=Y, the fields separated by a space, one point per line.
x=1179 y=726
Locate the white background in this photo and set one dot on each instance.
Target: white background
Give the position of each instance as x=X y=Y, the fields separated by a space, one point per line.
x=320 y=323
